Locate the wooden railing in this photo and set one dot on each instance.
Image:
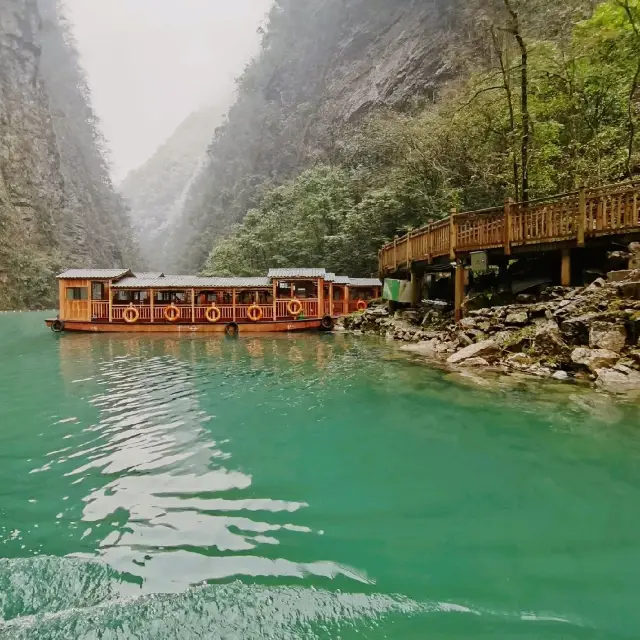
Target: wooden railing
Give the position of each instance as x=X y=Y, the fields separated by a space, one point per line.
x=229 y=313
x=578 y=216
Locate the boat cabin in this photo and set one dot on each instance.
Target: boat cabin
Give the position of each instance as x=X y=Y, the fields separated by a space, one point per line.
x=97 y=297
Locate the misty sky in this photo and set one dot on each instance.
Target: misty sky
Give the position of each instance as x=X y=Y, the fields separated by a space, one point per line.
x=151 y=62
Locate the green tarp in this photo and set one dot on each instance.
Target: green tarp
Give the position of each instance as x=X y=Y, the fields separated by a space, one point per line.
x=397 y=290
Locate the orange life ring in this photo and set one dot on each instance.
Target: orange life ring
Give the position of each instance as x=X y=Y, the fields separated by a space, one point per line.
x=361 y=306
x=213 y=314
x=130 y=315
x=294 y=307
x=171 y=313
x=254 y=313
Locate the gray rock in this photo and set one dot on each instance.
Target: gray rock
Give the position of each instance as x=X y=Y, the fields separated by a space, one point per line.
x=630 y=290
x=606 y=335
x=618 y=276
x=474 y=362
x=426 y=349
x=548 y=340
x=618 y=381
x=560 y=375
x=520 y=318
x=478 y=350
x=598 y=283
x=594 y=359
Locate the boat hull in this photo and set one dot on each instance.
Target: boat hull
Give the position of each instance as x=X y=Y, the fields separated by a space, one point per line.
x=243 y=327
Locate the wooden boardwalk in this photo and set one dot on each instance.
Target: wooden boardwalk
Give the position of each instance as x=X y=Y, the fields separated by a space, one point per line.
x=557 y=222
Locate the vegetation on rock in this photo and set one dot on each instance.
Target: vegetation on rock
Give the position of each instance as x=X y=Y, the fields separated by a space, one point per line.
x=523 y=99
x=58 y=207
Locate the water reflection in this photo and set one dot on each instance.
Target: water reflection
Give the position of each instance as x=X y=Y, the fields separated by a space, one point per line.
x=169 y=507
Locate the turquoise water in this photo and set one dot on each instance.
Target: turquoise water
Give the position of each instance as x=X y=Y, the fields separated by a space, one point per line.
x=304 y=486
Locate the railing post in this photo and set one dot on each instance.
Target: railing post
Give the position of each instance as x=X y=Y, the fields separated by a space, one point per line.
x=151 y=304
x=408 y=248
x=429 y=244
x=508 y=211
x=193 y=306
x=582 y=215
x=110 y=302
x=459 y=290
x=233 y=304
x=275 y=301
x=320 y=297
x=395 y=252
x=453 y=231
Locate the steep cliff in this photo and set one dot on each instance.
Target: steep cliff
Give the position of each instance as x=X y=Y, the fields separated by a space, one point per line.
x=156 y=191
x=57 y=203
x=322 y=66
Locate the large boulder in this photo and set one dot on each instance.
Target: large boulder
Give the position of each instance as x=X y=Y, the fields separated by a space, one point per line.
x=548 y=341
x=484 y=349
x=594 y=359
x=630 y=290
x=426 y=348
x=519 y=318
x=474 y=362
x=606 y=335
x=620 y=379
x=576 y=330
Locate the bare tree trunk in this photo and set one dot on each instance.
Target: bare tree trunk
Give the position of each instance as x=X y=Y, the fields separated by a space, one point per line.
x=524 y=99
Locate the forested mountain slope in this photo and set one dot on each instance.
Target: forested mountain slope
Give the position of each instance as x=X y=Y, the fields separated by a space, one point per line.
x=361 y=119
x=323 y=64
x=57 y=204
x=156 y=191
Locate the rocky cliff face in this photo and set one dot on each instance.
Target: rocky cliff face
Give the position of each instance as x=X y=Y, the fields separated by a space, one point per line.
x=156 y=192
x=57 y=205
x=322 y=66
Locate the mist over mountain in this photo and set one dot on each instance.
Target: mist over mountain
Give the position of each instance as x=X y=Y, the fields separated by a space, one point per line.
x=157 y=191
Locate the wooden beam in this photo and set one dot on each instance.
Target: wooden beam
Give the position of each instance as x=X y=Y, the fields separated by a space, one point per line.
x=193 y=306
x=459 y=290
x=275 y=303
x=345 y=302
x=508 y=216
x=582 y=215
x=453 y=232
x=320 y=297
x=110 y=302
x=416 y=286
x=233 y=303
x=331 y=298
x=565 y=269
x=151 y=292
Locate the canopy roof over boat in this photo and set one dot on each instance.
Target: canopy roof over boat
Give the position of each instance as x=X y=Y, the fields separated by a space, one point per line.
x=126 y=279
x=94 y=274
x=193 y=282
x=278 y=274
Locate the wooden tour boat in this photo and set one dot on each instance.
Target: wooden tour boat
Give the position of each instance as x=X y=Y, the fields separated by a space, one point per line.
x=112 y=300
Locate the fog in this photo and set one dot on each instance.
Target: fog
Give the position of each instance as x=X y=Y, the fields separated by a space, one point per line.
x=152 y=62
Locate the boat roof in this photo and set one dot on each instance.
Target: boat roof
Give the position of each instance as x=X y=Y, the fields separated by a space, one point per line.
x=365 y=282
x=297 y=272
x=192 y=282
x=94 y=274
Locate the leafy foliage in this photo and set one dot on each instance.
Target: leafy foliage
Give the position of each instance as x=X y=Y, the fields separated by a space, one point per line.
x=399 y=169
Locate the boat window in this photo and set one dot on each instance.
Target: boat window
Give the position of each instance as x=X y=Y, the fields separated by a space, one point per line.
x=98 y=291
x=77 y=293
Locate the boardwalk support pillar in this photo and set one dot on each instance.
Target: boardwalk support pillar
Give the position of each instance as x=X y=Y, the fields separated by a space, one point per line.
x=416 y=285
x=565 y=269
x=459 y=290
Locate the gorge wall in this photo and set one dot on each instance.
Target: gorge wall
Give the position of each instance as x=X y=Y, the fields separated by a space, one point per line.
x=156 y=192
x=322 y=66
x=58 y=207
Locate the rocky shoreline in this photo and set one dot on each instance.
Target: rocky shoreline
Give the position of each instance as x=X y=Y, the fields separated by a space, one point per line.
x=586 y=334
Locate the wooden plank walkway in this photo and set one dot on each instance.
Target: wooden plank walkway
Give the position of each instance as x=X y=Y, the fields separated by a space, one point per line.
x=566 y=218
